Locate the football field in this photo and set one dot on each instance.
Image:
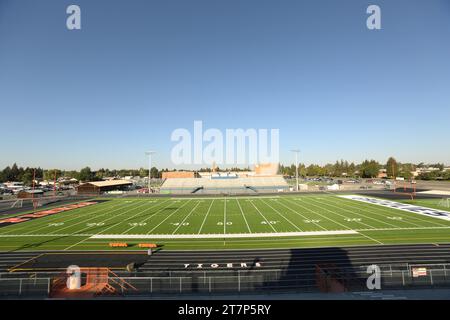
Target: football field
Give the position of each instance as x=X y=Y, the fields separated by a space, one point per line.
x=224 y=223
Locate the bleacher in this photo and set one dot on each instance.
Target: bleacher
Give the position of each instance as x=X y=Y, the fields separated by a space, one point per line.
x=228 y=186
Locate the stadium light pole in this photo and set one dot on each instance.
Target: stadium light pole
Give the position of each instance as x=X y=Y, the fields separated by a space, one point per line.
x=296 y=151
x=149 y=154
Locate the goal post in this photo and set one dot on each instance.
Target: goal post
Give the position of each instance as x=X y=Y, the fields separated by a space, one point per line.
x=444 y=202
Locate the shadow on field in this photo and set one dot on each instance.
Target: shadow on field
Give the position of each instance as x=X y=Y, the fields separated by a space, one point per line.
x=315 y=269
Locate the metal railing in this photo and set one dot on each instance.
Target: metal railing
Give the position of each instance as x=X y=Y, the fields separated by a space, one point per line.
x=238 y=282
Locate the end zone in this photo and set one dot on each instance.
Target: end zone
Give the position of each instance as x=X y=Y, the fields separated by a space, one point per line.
x=440 y=214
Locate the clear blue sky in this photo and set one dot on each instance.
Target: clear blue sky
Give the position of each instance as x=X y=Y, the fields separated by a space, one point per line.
x=139 y=69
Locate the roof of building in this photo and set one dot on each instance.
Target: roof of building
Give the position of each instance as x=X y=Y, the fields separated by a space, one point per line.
x=32 y=191
x=109 y=183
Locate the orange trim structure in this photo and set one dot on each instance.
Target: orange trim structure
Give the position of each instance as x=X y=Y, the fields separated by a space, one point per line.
x=44 y=213
x=148 y=245
x=118 y=244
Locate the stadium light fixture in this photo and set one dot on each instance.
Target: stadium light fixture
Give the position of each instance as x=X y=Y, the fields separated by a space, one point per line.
x=296 y=151
x=149 y=154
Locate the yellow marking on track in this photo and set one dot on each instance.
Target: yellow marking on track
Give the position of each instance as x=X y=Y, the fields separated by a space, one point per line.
x=22 y=263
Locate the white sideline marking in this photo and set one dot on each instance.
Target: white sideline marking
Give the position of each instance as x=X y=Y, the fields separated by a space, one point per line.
x=439 y=192
x=221 y=235
x=440 y=214
x=221 y=198
x=45 y=235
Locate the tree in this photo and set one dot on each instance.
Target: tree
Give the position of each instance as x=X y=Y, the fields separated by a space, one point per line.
x=351 y=170
x=369 y=169
x=406 y=170
x=143 y=172
x=392 y=168
x=27 y=178
x=154 y=172
x=6 y=174
x=85 y=174
x=49 y=175
x=15 y=172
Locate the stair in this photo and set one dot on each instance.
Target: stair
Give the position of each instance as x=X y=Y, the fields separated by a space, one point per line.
x=99 y=282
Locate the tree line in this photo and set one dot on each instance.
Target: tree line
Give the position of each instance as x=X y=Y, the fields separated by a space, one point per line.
x=25 y=175
x=366 y=169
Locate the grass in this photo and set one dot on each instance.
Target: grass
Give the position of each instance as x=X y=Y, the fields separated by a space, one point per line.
x=222 y=217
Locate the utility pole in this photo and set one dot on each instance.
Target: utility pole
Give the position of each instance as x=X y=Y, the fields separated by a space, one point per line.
x=296 y=151
x=54 y=184
x=149 y=154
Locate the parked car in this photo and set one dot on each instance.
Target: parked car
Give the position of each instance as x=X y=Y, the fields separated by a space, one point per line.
x=143 y=190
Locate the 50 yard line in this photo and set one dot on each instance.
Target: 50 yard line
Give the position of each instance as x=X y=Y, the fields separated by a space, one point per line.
x=224 y=216
x=209 y=209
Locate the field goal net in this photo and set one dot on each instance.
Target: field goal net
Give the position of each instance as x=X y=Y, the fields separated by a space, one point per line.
x=39 y=202
x=10 y=204
x=444 y=202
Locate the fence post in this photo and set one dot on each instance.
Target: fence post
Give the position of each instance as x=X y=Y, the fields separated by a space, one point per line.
x=403 y=277
x=151 y=285
x=239 y=280
x=209 y=284
x=48 y=285
x=180 y=284
x=431 y=276
x=20 y=287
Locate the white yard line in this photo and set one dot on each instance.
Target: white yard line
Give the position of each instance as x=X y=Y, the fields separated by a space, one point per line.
x=294 y=225
x=168 y=216
x=103 y=221
x=90 y=234
x=47 y=235
x=338 y=214
x=185 y=218
x=108 y=227
x=219 y=198
x=243 y=215
x=325 y=202
x=325 y=217
x=207 y=213
x=57 y=217
x=263 y=217
x=418 y=210
x=402 y=213
x=315 y=223
x=224 y=216
x=370 y=238
x=77 y=217
x=221 y=236
x=363 y=208
x=151 y=216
